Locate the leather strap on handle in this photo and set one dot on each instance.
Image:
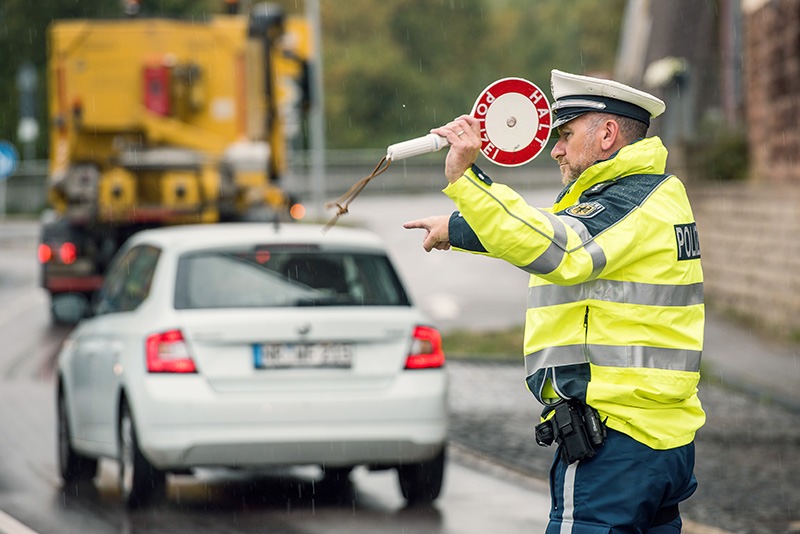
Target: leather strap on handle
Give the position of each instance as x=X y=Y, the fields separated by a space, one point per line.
x=343 y=202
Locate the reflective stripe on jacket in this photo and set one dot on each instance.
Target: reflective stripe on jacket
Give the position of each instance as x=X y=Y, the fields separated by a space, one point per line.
x=615 y=300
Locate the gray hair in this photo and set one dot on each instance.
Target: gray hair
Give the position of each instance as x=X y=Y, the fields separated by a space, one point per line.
x=630 y=129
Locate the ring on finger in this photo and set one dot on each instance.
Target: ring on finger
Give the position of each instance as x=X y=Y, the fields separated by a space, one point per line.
x=459 y=134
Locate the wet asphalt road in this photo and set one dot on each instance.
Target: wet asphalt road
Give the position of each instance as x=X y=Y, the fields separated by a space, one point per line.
x=288 y=501
x=748 y=454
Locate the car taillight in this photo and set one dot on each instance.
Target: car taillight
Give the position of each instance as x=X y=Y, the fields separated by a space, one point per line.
x=68 y=253
x=45 y=253
x=426 y=349
x=167 y=352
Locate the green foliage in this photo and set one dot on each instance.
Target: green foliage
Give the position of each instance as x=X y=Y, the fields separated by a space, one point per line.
x=392 y=70
x=722 y=151
x=503 y=344
x=385 y=71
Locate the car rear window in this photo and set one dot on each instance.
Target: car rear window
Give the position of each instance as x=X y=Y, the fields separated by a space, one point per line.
x=286 y=276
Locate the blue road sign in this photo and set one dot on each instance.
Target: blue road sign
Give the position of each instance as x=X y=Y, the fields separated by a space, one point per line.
x=8 y=159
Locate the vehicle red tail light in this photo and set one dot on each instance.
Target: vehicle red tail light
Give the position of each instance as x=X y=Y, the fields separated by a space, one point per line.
x=167 y=352
x=426 y=349
x=45 y=253
x=68 y=253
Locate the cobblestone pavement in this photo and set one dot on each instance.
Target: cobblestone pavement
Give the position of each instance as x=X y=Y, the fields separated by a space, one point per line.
x=748 y=453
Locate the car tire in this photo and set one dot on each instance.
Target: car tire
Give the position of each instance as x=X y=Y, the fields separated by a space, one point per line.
x=73 y=466
x=421 y=483
x=140 y=483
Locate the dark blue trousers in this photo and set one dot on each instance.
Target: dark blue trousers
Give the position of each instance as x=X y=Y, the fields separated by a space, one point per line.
x=620 y=489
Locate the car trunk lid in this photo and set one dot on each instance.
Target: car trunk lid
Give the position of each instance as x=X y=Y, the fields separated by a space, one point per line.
x=287 y=349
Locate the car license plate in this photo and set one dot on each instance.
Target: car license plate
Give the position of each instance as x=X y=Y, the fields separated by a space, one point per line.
x=303 y=355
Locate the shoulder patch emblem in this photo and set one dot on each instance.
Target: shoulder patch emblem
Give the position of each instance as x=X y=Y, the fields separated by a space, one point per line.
x=585 y=210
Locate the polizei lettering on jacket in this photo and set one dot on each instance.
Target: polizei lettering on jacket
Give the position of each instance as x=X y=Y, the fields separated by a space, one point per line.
x=688 y=241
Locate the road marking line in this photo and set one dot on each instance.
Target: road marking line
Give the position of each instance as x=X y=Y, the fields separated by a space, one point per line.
x=9 y=525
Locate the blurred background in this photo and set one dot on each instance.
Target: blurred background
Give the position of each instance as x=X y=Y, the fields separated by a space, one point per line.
x=729 y=71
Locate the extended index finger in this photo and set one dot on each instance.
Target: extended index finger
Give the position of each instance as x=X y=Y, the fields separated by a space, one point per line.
x=419 y=223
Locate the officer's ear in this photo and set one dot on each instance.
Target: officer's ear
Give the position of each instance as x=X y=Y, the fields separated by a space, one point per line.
x=610 y=134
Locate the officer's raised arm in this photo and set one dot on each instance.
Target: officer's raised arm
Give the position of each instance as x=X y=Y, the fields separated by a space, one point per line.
x=464 y=135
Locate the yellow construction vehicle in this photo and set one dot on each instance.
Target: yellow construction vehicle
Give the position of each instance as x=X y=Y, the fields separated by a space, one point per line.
x=157 y=121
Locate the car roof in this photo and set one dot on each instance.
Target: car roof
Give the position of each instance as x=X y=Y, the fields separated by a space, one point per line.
x=193 y=236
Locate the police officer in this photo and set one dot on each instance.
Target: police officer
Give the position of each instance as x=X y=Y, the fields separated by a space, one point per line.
x=615 y=312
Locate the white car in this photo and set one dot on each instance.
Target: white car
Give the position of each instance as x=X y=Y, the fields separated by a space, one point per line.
x=252 y=345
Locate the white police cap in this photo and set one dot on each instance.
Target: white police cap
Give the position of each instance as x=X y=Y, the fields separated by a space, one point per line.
x=575 y=95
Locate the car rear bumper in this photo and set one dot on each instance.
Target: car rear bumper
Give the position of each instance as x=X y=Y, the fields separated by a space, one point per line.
x=246 y=449
x=192 y=426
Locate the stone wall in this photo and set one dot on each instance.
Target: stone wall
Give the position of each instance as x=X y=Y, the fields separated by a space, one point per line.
x=750 y=232
x=772 y=87
x=750 y=246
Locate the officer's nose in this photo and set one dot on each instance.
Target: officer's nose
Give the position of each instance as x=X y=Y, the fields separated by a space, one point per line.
x=558 y=150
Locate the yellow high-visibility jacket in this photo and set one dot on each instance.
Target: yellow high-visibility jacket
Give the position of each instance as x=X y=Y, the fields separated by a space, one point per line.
x=615 y=301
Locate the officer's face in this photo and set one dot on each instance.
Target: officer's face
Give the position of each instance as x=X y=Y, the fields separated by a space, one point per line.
x=578 y=147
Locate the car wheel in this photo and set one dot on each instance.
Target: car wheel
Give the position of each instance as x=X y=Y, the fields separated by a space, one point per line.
x=74 y=467
x=421 y=483
x=140 y=483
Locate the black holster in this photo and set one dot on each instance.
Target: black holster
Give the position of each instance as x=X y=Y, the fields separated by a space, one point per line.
x=577 y=429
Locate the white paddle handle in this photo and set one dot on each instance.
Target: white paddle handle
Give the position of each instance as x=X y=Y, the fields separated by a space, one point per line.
x=415 y=147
